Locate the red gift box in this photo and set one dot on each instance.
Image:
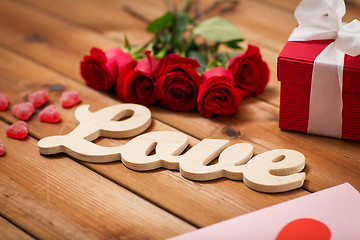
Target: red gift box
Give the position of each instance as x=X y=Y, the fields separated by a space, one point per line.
x=295 y=66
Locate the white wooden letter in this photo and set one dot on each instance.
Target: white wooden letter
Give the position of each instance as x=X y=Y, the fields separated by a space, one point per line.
x=275 y=171
x=193 y=164
x=92 y=125
x=167 y=145
x=271 y=171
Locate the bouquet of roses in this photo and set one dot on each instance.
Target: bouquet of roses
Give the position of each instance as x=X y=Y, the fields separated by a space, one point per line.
x=181 y=67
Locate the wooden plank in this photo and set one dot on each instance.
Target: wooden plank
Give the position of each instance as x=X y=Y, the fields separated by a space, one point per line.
x=57 y=198
x=215 y=189
x=260 y=117
x=45 y=35
x=328 y=161
x=254 y=18
x=352 y=7
x=193 y=201
x=92 y=13
x=10 y=232
x=39 y=38
x=28 y=47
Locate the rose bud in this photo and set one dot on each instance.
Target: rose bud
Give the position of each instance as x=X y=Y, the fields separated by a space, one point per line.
x=100 y=69
x=178 y=82
x=250 y=72
x=137 y=86
x=217 y=93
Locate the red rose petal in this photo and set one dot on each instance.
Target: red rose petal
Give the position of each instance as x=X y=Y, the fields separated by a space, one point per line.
x=23 y=111
x=69 y=99
x=251 y=74
x=38 y=98
x=4 y=101
x=101 y=68
x=17 y=130
x=217 y=94
x=177 y=82
x=2 y=148
x=50 y=114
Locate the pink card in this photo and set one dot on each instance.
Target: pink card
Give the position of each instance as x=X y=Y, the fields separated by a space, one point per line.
x=333 y=213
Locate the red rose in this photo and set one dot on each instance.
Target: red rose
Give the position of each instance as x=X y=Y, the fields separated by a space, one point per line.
x=250 y=72
x=217 y=93
x=177 y=82
x=137 y=86
x=100 y=69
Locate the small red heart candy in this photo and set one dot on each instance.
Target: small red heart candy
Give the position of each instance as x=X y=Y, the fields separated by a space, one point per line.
x=4 y=101
x=69 y=99
x=23 y=111
x=2 y=148
x=38 y=98
x=50 y=114
x=17 y=130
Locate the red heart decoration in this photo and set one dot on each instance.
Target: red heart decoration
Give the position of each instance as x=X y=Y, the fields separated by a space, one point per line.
x=304 y=228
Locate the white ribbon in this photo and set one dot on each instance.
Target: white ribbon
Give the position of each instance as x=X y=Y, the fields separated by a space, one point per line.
x=320 y=20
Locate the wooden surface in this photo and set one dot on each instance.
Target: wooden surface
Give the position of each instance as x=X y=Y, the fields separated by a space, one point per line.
x=56 y=197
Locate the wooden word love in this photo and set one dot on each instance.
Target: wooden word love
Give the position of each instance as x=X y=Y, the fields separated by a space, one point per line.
x=271 y=171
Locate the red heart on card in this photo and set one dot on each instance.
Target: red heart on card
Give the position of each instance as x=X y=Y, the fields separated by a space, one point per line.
x=304 y=228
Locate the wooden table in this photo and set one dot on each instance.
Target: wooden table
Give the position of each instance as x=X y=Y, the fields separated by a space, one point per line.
x=56 y=197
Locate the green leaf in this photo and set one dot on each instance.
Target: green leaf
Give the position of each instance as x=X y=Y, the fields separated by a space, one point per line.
x=218 y=29
x=233 y=44
x=213 y=63
x=150 y=46
x=201 y=58
x=190 y=43
x=222 y=59
x=214 y=48
x=162 y=52
x=179 y=28
x=164 y=39
x=127 y=44
x=136 y=52
x=161 y=23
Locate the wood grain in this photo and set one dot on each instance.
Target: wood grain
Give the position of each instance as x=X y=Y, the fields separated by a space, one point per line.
x=352 y=7
x=260 y=106
x=163 y=187
x=328 y=161
x=41 y=46
x=58 y=198
x=271 y=171
x=10 y=232
x=74 y=41
x=254 y=18
x=265 y=115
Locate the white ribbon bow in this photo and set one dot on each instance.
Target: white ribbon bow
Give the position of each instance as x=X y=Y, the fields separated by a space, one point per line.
x=320 y=20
